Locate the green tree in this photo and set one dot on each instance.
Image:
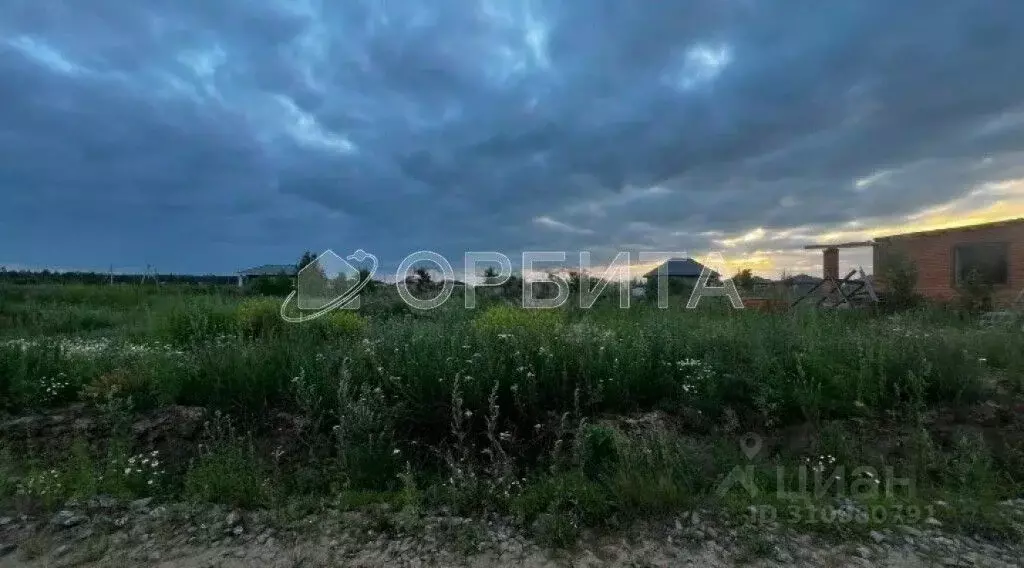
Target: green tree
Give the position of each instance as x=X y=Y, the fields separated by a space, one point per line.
x=490 y=275
x=575 y=281
x=899 y=275
x=307 y=258
x=315 y=287
x=744 y=279
x=364 y=276
x=423 y=277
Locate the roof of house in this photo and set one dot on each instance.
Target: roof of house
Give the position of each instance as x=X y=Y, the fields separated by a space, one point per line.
x=802 y=279
x=270 y=270
x=989 y=225
x=686 y=267
x=826 y=246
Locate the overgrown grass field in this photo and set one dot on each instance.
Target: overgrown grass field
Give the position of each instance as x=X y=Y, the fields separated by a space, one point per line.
x=562 y=419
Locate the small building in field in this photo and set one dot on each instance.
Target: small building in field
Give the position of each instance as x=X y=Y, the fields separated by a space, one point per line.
x=678 y=269
x=682 y=273
x=266 y=270
x=945 y=258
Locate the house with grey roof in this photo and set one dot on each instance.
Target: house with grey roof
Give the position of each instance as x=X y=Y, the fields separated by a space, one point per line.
x=266 y=270
x=682 y=273
x=678 y=268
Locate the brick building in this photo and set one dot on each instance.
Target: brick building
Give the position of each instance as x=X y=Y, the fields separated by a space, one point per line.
x=943 y=258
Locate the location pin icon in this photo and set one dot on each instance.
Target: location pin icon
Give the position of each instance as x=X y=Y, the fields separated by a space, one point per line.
x=750 y=445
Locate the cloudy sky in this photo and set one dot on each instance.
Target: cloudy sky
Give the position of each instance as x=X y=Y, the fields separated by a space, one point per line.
x=209 y=136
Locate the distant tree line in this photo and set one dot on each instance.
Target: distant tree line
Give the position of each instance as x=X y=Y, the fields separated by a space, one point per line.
x=54 y=277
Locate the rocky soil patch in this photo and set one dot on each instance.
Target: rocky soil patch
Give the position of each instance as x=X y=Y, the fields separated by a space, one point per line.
x=104 y=531
x=108 y=532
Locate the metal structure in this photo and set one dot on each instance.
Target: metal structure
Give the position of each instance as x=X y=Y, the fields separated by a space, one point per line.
x=150 y=274
x=843 y=292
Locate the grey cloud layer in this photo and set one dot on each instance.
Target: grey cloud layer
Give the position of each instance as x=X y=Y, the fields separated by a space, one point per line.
x=212 y=135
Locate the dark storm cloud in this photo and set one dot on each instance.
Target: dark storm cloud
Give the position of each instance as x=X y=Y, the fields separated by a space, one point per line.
x=206 y=136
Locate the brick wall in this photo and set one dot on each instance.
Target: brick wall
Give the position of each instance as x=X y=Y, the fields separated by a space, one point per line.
x=932 y=253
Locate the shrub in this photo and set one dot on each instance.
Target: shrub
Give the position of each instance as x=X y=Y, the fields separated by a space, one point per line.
x=121 y=386
x=45 y=488
x=230 y=474
x=364 y=435
x=257 y=317
x=509 y=319
x=186 y=322
x=344 y=323
x=8 y=482
x=900 y=275
x=555 y=506
x=974 y=294
x=599 y=451
x=277 y=286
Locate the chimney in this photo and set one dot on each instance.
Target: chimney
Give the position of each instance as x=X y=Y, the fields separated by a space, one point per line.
x=830 y=265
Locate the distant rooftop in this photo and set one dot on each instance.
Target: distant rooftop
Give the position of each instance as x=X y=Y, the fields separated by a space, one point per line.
x=270 y=270
x=684 y=267
x=802 y=279
x=988 y=225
